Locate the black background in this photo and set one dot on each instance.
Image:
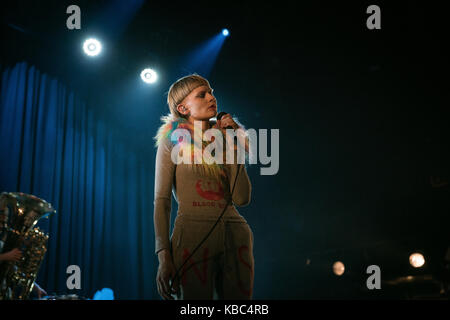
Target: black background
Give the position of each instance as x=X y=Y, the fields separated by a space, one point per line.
x=363 y=115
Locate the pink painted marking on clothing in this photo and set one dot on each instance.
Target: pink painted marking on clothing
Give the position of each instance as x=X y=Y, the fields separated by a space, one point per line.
x=201 y=274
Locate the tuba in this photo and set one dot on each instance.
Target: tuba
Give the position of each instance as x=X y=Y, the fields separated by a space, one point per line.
x=19 y=212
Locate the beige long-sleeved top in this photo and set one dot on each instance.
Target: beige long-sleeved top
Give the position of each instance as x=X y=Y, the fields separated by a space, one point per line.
x=195 y=194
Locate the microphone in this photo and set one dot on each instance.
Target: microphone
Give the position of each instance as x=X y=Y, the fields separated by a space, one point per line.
x=220 y=115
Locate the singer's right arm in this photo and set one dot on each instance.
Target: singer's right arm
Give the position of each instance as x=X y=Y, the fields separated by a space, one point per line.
x=164 y=177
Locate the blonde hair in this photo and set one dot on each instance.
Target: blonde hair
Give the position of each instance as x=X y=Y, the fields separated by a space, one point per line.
x=180 y=89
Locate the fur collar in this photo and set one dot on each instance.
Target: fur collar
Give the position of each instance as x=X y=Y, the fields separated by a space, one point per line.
x=170 y=124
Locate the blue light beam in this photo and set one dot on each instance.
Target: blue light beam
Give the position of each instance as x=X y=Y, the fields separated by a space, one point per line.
x=203 y=58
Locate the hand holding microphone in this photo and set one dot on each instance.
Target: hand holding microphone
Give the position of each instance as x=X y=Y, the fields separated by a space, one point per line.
x=225 y=121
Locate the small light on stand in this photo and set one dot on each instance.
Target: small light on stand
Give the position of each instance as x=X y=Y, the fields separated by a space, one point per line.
x=416 y=260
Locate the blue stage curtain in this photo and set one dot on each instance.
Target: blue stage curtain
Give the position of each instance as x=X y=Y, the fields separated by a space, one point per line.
x=55 y=147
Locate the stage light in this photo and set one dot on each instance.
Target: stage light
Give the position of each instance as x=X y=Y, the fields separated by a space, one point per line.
x=92 y=47
x=225 y=32
x=416 y=260
x=338 y=268
x=149 y=75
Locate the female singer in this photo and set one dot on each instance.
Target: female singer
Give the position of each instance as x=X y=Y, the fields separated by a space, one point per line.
x=222 y=267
